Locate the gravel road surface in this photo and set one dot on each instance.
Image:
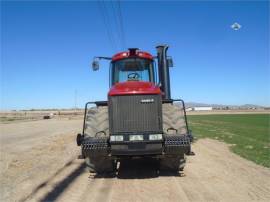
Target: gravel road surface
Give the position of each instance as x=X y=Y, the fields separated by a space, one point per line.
x=39 y=163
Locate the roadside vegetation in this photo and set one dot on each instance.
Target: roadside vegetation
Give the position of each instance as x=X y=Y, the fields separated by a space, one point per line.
x=247 y=134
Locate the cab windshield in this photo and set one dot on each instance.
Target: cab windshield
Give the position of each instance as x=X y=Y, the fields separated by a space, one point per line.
x=132 y=69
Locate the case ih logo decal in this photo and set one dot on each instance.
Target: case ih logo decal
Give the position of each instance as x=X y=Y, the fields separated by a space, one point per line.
x=147 y=101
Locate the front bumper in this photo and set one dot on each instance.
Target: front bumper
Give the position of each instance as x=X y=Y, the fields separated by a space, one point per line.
x=170 y=145
x=136 y=148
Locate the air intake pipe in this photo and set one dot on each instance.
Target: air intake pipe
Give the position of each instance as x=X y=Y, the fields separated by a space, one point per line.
x=163 y=70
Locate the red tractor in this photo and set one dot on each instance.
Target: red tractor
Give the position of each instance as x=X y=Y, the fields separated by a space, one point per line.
x=139 y=119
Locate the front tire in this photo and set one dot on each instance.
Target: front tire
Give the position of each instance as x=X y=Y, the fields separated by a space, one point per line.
x=173 y=120
x=100 y=164
x=172 y=163
x=97 y=126
x=173 y=124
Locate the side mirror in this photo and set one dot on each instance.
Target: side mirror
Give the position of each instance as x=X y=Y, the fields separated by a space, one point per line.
x=169 y=61
x=95 y=65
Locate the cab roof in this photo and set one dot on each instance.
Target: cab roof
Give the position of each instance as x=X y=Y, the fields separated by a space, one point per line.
x=133 y=52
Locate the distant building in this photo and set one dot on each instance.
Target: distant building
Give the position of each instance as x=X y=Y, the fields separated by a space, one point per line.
x=202 y=108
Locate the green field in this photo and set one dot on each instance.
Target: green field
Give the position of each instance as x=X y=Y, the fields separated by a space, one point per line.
x=248 y=134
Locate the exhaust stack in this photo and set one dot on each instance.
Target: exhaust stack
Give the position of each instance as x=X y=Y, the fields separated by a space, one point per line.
x=163 y=70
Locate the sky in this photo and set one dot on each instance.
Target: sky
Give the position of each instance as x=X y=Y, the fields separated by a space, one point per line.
x=47 y=48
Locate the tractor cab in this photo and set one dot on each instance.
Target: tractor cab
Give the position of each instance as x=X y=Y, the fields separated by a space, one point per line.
x=132 y=65
x=139 y=66
x=133 y=69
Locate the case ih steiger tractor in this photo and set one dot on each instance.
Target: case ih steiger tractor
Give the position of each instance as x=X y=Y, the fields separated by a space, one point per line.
x=139 y=119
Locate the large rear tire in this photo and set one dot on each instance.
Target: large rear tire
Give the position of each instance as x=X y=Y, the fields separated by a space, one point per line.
x=173 y=124
x=97 y=126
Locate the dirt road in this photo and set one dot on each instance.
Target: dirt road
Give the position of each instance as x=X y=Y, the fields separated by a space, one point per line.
x=38 y=163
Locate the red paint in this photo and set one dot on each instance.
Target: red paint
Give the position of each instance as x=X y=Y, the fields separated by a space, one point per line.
x=134 y=88
x=126 y=54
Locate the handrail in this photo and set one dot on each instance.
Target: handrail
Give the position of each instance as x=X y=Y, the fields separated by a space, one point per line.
x=184 y=107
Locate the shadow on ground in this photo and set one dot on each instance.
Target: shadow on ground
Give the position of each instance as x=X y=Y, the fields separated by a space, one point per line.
x=128 y=169
x=62 y=185
x=59 y=187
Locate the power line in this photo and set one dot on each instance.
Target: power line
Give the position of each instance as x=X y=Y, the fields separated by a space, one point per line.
x=117 y=23
x=121 y=23
x=116 y=14
x=105 y=17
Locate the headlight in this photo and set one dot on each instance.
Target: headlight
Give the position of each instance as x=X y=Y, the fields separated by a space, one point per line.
x=116 y=138
x=155 y=137
x=136 y=137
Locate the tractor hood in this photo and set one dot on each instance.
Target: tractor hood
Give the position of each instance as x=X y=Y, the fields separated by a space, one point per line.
x=134 y=88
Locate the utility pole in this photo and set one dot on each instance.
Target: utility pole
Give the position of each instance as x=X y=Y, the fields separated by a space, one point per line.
x=75 y=99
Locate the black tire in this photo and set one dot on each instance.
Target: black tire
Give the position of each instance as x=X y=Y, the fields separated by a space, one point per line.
x=100 y=164
x=97 y=126
x=172 y=163
x=173 y=124
x=97 y=122
x=173 y=119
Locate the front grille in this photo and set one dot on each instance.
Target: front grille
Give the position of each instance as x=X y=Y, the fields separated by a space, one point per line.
x=135 y=114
